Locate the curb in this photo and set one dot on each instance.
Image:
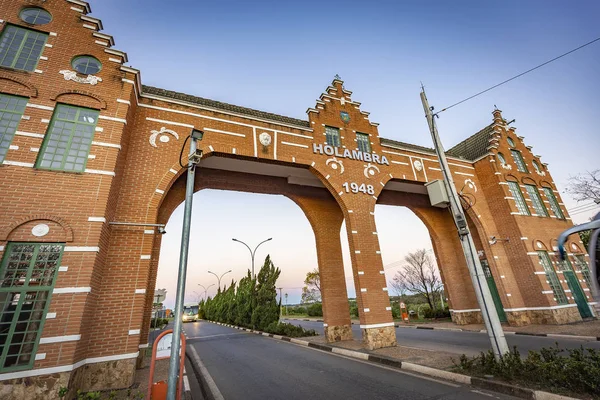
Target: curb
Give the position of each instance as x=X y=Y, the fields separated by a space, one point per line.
x=556 y=335
x=499 y=387
x=210 y=390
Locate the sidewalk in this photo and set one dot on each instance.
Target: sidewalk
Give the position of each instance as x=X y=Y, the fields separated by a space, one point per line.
x=585 y=328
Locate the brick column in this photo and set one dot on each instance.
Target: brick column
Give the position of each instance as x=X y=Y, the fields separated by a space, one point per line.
x=372 y=297
x=325 y=217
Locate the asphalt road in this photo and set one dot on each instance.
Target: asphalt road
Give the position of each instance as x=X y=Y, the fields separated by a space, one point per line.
x=247 y=366
x=469 y=343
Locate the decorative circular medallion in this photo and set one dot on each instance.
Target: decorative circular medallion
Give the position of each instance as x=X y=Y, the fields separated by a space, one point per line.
x=418 y=165
x=164 y=139
x=265 y=139
x=539 y=245
x=40 y=230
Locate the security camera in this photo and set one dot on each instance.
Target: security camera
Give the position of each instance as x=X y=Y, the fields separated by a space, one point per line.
x=161 y=230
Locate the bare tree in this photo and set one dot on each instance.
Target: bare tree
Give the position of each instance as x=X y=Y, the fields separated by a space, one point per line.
x=585 y=186
x=419 y=276
x=311 y=292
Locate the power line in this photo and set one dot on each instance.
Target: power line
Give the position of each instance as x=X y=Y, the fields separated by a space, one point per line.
x=517 y=76
x=581 y=206
x=586 y=210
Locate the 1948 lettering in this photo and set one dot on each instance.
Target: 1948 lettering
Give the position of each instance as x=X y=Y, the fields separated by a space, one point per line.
x=354 y=187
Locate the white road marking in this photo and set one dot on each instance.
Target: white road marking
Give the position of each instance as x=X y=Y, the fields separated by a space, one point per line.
x=186 y=383
x=221 y=334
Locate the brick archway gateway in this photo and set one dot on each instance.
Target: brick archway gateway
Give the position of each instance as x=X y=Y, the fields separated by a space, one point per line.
x=333 y=164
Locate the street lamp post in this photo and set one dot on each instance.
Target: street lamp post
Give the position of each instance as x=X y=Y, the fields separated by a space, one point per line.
x=219 y=277
x=286 y=309
x=206 y=288
x=252 y=253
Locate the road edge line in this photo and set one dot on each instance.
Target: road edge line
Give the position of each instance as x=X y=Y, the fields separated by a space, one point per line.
x=208 y=385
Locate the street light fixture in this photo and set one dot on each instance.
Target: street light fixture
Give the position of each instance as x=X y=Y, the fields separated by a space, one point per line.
x=206 y=288
x=219 y=277
x=252 y=253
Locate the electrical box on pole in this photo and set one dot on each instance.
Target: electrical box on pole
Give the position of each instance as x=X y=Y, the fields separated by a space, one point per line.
x=482 y=291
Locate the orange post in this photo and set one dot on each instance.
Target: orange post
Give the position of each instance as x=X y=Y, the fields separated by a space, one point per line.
x=158 y=390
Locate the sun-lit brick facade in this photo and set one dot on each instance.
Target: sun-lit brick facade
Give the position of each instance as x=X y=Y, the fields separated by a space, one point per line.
x=132 y=175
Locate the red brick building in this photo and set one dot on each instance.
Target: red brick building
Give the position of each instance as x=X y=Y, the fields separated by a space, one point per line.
x=87 y=152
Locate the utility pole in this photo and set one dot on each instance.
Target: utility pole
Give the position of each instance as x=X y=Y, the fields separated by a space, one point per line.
x=193 y=160
x=482 y=291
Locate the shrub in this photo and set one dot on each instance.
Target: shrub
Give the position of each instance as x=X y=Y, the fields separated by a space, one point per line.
x=436 y=313
x=553 y=369
x=353 y=309
x=289 y=330
x=158 y=322
x=315 y=310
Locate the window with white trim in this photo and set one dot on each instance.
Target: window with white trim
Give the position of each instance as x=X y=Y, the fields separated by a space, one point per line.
x=557 y=289
x=583 y=266
x=518 y=157
x=554 y=206
x=501 y=158
x=363 y=142
x=27 y=276
x=536 y=200
x=332 y=136
x=11 y=111
x=69 y=138
x=21 y=48
x=515 y=190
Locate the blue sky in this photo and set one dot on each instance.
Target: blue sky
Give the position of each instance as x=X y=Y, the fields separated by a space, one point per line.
x=279 y=56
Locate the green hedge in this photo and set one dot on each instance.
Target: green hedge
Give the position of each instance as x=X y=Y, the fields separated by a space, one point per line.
x=551 y=369
x=290 y=330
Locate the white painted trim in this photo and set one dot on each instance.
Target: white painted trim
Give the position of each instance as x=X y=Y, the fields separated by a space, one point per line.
x=363 y=290
x=398 y=162
x=64 y=368
x=99 y=172
x=116 y=60
x=225 y=132
x=91 y=156
x=60 y=339
x=295 y=144
x=29 y=134
x=72 y=290
x=145 y=257
x=383 y=325
x=122 y=120
x=82 y=248
x=124 y=101
x=361 y=272
x=541 y=308
x=388 y=309
x=51 y=315
x=134 y=331
x=63 y=268
x=463 y=173
x=1 y=248
x=173 y=171
x=162 y=121
x=104 y=144
x=149 y=231
x=160 y=191
x=97 y=219
x=18 y=163
x=524 y=238
x=367 y=310
x=463 y=311
x=47 y=108
x=143 y=346
x=40 y=356
x=92 y=27
x=167 y=100
x=140 y=291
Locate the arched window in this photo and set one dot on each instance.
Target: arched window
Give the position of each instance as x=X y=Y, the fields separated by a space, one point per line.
x=501 y=158
x=35 y=16
x=537 y=167
x=511 y=142
x=86 y=65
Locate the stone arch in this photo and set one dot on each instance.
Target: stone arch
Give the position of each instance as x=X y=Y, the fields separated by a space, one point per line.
x=545 y=183
x=68 y=231
x=529 y=181
x=537 y=244
x=22 y=87
x=73 y=94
